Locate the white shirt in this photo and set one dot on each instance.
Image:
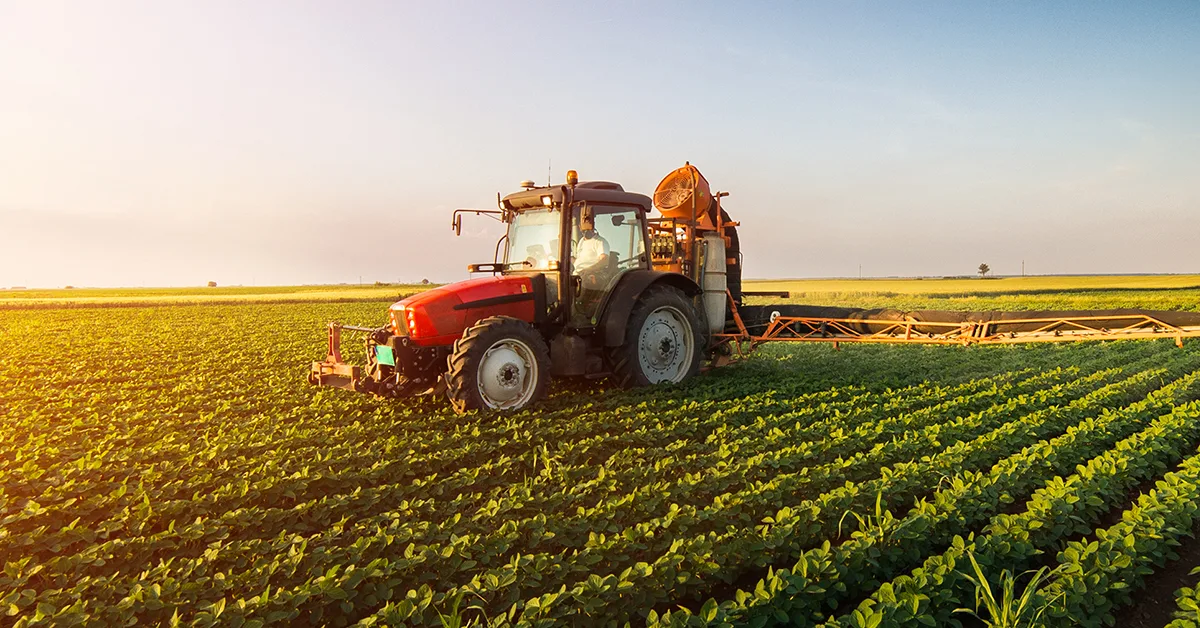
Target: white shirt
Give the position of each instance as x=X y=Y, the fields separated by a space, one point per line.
x=589 y=251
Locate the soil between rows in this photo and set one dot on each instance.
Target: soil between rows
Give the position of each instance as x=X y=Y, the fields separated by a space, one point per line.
x=1154 y=605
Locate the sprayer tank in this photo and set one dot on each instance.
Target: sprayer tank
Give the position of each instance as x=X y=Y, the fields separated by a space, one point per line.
x=714 y=281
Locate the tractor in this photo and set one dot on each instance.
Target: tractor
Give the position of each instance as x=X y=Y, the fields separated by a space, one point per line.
x=584 y=283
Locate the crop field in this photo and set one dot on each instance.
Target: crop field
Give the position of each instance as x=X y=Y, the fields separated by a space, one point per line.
x=169 y=465
x=1169 y=292
x=112 y=297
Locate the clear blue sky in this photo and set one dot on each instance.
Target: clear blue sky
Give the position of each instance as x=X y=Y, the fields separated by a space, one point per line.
x=172 y=143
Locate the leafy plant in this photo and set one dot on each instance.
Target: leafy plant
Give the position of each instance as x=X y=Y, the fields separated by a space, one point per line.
x=1187 y=599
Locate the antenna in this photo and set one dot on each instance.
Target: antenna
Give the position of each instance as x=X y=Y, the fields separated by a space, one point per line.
x=548 y=175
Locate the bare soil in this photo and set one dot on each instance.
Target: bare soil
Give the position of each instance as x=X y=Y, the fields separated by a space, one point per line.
x=1154 y=605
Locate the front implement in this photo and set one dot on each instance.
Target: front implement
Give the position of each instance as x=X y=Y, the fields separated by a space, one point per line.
x=391 y=371
x=335 y=372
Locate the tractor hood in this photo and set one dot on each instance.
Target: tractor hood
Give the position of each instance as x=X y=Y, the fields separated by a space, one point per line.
x=439 y=316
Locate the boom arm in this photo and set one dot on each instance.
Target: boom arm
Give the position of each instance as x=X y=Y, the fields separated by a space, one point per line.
x=776 y=324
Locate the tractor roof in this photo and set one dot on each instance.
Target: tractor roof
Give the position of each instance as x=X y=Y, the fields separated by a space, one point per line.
x=587 y=191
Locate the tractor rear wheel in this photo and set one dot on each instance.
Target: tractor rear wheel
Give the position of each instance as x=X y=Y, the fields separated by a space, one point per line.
x=500 y=363
x=663 y=342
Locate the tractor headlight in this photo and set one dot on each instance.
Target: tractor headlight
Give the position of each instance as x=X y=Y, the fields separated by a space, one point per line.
x=418 y=324
x=398 y=322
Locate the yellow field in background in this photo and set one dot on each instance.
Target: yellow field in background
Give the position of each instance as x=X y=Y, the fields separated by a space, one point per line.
x=815 y=290
x=975 y=286
x=201 y=294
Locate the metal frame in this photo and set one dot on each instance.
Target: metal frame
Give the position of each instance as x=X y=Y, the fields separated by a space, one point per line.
x=334 y=371
x=910 y=331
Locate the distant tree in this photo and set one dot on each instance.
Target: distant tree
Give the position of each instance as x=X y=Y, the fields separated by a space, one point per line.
x=212 y=284
x=69 y=288
x=984 y=269
x=424 y=282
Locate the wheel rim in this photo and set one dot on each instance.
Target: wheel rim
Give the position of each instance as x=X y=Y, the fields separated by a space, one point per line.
x=666 y=345
x=507 y=375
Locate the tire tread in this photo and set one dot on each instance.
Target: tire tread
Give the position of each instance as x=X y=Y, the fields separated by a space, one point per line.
x=459 y=388
x=622 y=360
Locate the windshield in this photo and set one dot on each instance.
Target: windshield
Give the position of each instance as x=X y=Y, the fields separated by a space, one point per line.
x=533 y=240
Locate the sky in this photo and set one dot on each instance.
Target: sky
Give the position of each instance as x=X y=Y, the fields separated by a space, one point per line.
x=165 y=143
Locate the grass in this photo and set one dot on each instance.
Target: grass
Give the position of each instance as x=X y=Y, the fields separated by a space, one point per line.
x=1003 y=606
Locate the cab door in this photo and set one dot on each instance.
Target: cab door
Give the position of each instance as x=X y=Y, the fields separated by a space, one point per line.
x=607 y=241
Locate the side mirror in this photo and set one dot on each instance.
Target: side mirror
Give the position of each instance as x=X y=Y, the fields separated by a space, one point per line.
x=618 y=220
x=457 y=224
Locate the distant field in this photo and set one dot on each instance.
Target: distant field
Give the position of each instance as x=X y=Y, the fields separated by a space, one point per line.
x=980 y=286
x=200 y=294
x=1150 y=291
x=1156 y=292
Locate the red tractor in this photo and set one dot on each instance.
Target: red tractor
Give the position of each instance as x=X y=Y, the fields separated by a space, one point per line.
x=584 y=284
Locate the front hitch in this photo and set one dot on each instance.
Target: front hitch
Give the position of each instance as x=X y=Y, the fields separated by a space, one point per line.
x=334 y=372
x=394 y=370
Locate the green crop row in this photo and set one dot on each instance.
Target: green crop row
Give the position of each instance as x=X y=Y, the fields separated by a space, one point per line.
x=933 y=592
x=798 y=526
x=884 y=545
x=170 y=466
x=322 y=553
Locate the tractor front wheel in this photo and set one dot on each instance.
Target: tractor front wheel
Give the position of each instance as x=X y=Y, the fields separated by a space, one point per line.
x=663 y=342
x=500 y=363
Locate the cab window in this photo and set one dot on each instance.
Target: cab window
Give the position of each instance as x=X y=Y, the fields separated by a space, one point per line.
x=607 y=241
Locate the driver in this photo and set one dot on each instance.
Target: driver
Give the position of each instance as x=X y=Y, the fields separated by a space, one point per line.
x=592 y=249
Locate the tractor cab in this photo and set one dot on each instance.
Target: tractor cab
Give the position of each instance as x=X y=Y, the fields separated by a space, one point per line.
x=580 y=238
